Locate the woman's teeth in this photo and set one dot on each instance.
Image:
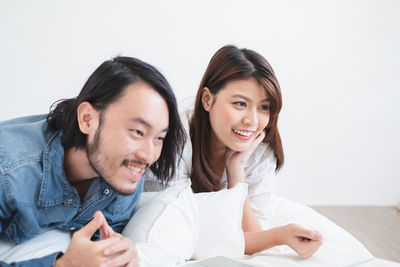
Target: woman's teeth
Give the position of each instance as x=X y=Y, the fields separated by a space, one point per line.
x=243 y=133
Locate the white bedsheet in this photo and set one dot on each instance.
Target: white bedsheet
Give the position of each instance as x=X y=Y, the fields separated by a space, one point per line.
x=339 y=248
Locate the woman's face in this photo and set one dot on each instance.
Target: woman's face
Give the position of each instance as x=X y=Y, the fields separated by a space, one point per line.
x=238 y=113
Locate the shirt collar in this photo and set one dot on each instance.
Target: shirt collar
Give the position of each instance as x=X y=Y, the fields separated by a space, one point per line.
x=55 y=188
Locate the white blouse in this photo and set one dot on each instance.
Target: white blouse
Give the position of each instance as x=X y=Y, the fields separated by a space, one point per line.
x=259 y=170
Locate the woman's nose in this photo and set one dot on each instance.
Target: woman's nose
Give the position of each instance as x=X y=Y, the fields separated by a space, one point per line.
x=251 y=117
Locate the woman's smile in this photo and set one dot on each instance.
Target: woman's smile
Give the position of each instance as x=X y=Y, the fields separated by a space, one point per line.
x=243 y=134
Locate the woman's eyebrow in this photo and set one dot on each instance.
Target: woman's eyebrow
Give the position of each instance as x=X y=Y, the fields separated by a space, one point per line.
x=248 y=99
x=242 y=96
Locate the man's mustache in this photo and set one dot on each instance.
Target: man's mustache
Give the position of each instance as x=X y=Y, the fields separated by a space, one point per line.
x=136 y=162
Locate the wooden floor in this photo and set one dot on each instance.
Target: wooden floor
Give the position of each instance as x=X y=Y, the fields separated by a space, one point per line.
x=377 y=227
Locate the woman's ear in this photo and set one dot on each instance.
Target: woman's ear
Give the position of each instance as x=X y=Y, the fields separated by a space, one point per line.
x=207 y=99
x=87 y=117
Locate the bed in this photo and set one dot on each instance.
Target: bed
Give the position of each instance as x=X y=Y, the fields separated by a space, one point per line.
x=178 y=228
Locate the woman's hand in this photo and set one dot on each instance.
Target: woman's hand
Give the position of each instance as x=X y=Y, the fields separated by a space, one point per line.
x=235 y=161
x=305 y=242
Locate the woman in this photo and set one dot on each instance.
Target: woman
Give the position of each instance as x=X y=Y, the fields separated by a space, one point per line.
x=235 y=138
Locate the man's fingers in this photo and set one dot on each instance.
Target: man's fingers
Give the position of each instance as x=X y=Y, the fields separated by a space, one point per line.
x=125 y=258
x=89 y=229
x=133 y=263
x=122 y=245
x=105 y=230
x=109 y=242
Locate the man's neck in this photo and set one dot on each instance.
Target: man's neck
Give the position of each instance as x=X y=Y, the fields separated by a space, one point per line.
x=78 y=170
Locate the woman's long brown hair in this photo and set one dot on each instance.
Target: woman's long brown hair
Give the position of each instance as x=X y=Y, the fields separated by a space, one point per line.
x=230 y=63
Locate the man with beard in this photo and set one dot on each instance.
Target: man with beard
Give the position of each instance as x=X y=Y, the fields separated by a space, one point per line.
x=79 y=167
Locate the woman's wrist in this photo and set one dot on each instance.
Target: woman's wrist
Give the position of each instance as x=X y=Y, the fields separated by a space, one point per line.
x=280 y=235
x=235 y=175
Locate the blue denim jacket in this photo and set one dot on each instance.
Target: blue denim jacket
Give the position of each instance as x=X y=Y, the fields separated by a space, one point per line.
x=35 y=194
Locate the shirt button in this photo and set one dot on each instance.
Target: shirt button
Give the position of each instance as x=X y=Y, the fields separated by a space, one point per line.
x=72 y=228
x=70 y=201
x=106 y=191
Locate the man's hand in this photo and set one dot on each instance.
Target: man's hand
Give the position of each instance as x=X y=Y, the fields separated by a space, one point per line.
x=112 y=250
x=305 y=242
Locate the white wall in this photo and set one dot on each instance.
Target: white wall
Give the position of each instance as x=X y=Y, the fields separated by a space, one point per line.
x=338 y=64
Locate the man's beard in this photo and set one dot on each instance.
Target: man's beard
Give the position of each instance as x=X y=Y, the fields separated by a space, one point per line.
x=92 y=152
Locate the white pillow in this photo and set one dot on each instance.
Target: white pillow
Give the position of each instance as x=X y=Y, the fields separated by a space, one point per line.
x=165 y=228
x=42 y=245
x=220 y=215
x=176 y=225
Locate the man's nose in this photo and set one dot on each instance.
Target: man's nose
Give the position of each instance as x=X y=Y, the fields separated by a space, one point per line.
x=146 y=151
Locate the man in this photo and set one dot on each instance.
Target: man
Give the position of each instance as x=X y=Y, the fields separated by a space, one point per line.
x=88 y=155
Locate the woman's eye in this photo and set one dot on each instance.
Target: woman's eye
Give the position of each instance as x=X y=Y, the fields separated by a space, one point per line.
x=240 y=103
x=264 y=107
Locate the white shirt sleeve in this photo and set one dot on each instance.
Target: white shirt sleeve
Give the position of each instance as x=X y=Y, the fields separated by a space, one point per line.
x=261 y=180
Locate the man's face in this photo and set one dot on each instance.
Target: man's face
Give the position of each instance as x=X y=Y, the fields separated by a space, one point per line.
x=129 y=137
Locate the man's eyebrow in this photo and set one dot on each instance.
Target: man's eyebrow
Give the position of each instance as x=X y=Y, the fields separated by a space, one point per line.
x=146 y=123
x=248 y=99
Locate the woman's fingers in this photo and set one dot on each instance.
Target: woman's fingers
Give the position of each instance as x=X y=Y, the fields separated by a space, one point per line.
x=302 y=232
x=308 y=248
x=257 y=141
x=304 y=241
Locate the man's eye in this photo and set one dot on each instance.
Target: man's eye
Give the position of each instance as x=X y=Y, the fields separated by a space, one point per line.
x=240 y=103
x=159 y=140
x=137 y=132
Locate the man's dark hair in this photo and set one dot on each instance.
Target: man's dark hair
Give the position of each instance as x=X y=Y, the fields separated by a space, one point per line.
x=104 y=87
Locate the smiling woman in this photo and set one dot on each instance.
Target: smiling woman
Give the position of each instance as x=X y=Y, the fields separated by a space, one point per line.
x=239 y=97
x=235 y=139
x=238 y=113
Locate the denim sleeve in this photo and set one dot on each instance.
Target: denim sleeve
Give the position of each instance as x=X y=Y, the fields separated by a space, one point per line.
x=6 y=201
x=44 y=261
x=6 y=207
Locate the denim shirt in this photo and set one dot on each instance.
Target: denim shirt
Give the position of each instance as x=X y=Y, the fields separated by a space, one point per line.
x=35 y=194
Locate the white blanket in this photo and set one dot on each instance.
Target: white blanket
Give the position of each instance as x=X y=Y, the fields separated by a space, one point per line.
x=339 y=249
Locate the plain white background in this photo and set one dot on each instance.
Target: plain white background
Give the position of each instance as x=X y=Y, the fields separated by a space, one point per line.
x=338 y=64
